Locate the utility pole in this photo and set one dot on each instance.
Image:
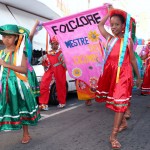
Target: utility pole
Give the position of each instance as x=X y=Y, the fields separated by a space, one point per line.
x=88 y=4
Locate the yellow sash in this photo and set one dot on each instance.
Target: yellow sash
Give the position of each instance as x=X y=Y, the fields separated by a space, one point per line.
x=119 y=67
x=19 y=75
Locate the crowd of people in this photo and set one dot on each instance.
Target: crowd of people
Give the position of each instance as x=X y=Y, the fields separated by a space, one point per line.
x=18 y=79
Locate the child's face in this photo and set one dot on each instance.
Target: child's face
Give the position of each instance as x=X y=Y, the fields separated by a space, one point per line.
x=117 y=27
x=9 y=40
x=148 y=44
x=54 y=46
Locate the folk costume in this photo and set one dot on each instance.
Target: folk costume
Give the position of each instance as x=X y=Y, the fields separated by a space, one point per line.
x=55 y=70
x=140 y=68
x=32 y=79
x=145 y=88
x=18 y=105
x=115 y=83
x=85 y=92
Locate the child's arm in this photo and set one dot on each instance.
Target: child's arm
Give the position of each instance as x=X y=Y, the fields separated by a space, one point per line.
x=33 y=30
x=21 y=69
x=101 y=24
x=134 y=64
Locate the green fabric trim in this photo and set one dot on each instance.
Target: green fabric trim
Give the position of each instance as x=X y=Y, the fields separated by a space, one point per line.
x=118 y=105
x=133 y=36
x=101 y=96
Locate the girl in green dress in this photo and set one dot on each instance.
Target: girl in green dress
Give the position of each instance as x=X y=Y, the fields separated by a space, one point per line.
x=18 y=106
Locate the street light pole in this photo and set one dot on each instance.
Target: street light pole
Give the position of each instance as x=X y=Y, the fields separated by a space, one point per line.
x=88 y=4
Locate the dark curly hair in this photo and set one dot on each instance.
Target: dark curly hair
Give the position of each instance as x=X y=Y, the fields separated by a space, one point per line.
x=120 y=17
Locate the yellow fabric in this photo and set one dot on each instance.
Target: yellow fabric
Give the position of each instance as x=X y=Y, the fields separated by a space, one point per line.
x=47 y=42
x=118 y=70
x=5 y=61
x=1 y=52
x=20 y=76
x=6 y=55
x=84 y=93
x=17 y=48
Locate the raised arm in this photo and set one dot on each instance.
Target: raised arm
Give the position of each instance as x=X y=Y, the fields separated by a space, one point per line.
x=33 y=30
x=101 y=24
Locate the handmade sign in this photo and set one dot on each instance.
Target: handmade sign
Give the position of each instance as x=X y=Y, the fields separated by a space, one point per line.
x=81 y=43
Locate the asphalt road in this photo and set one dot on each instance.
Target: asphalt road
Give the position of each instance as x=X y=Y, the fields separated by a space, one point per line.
x=80 y=127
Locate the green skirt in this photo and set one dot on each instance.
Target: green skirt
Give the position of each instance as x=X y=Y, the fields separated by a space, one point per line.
x=33 y=82
x=18 y=105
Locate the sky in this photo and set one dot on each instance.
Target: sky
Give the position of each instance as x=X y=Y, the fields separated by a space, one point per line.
x=139 y=9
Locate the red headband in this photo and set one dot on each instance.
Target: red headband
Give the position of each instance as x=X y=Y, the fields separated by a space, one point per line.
x=54 y=40
x=120 y=12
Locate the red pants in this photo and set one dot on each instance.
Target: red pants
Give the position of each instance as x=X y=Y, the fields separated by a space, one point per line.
x=60 y=78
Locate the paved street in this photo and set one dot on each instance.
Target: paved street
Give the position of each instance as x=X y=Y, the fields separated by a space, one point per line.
x=78 y=127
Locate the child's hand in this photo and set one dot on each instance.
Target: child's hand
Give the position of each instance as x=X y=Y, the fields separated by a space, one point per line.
x=138 y=83
x=2 y=62
x=109 y=6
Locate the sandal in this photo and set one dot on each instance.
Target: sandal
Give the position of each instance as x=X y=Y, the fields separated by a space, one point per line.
x=114 y=142
x=88 y=103
x=43 y=107
x=123 y=125
x=61 y=106
x=26 y=139
x=127 y=115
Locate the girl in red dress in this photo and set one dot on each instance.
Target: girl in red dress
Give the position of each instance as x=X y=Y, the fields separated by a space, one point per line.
x=145 y=55
x=115 y=84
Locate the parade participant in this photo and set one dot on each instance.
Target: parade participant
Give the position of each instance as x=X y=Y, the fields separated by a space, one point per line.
x=84 y=92
x=127 y=114
x=145 y=55
x=18 y=107
x=115 y=83
x=55 y=69
x=31 y=73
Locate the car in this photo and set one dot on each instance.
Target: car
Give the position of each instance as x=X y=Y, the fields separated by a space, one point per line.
x=70 y=83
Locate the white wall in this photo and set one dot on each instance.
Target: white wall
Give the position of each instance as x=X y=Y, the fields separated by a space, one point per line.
x=6 y=17
x=26 y=20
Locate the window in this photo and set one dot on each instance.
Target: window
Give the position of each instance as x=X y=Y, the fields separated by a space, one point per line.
x=36 y=55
